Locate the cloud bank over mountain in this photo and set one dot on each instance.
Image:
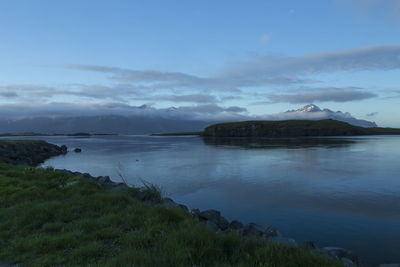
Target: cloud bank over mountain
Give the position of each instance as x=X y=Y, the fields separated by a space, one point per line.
x=117 y=118
x=313 y=112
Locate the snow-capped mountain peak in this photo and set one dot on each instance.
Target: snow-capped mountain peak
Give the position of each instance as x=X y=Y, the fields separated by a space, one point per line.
x=313 y=112
x=309 y=108
x=172 y=109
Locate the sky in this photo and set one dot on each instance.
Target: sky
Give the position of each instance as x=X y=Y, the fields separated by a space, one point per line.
x=206 y=59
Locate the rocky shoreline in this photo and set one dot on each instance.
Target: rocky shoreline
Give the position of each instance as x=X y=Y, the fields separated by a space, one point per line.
x=220 y=225
x=27 y=152
x=32 y=153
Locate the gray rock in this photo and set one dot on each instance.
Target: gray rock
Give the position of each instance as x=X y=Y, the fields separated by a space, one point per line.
x=87 y=175
x=120 y=187
x=310 y=245
x=339 y=253
x=185 y=208
x=103 y=179
x=223 y=223
x=284 y=241
x=347 y=262
x=271 y=231
x=212 y=225
x=210 y=215
x=168 y=202
x=235 y=225
x=195 y=214
x=253 y=230
x=214 y=216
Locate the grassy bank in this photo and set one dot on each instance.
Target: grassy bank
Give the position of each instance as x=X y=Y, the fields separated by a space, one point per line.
x=49 y=218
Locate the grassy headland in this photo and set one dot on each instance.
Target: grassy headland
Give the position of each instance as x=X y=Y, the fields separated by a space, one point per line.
x=292 y=128
x=50 y=218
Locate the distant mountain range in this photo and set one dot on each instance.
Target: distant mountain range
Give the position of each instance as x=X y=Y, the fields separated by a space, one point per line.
x=169 y=122
x=101 y=124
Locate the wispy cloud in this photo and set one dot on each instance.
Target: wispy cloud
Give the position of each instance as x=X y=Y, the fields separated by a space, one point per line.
x=361 y=59
x=210 y=112
x=260 y=71
x=194 y=98
x=368 y=7
x=322 y=95
x=372 y=114
x=8 y=94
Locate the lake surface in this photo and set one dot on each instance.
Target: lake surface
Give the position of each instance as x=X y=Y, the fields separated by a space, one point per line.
x=341 y=192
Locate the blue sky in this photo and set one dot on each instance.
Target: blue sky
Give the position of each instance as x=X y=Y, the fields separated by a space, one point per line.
x=206 y=58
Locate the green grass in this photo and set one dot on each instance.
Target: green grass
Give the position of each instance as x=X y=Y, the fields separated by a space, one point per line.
x=49 y=218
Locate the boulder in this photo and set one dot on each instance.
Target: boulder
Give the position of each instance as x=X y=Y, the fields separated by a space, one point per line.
x=103 y=179
x=310 y=245
x=253 y=230
x=195 y=214
x=168 y=202
x=212 y=225
x=215 y=217
x=210 y=215
x=339 y=253
x=235 y=225
x=271 y=231
x=120 y=187
x=347 y=262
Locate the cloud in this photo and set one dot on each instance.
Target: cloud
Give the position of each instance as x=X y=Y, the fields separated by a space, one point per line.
x=8 y=94
x=369 y=7
x=93 y=68
x=319 y=114
x=194 y=98
x=211 y=112
x=322 y=95
x=361 y=59
x=117 y=92
x=211 y=109
x=372 y=114
x=260 y=71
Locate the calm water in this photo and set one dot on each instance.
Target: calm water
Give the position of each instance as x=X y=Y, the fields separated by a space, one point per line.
x=336 y=192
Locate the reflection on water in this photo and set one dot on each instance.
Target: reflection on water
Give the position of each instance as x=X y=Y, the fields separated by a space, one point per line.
x=336 y=191
x=269 y=143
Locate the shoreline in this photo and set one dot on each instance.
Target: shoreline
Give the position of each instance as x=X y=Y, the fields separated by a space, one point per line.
x=220 y=225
